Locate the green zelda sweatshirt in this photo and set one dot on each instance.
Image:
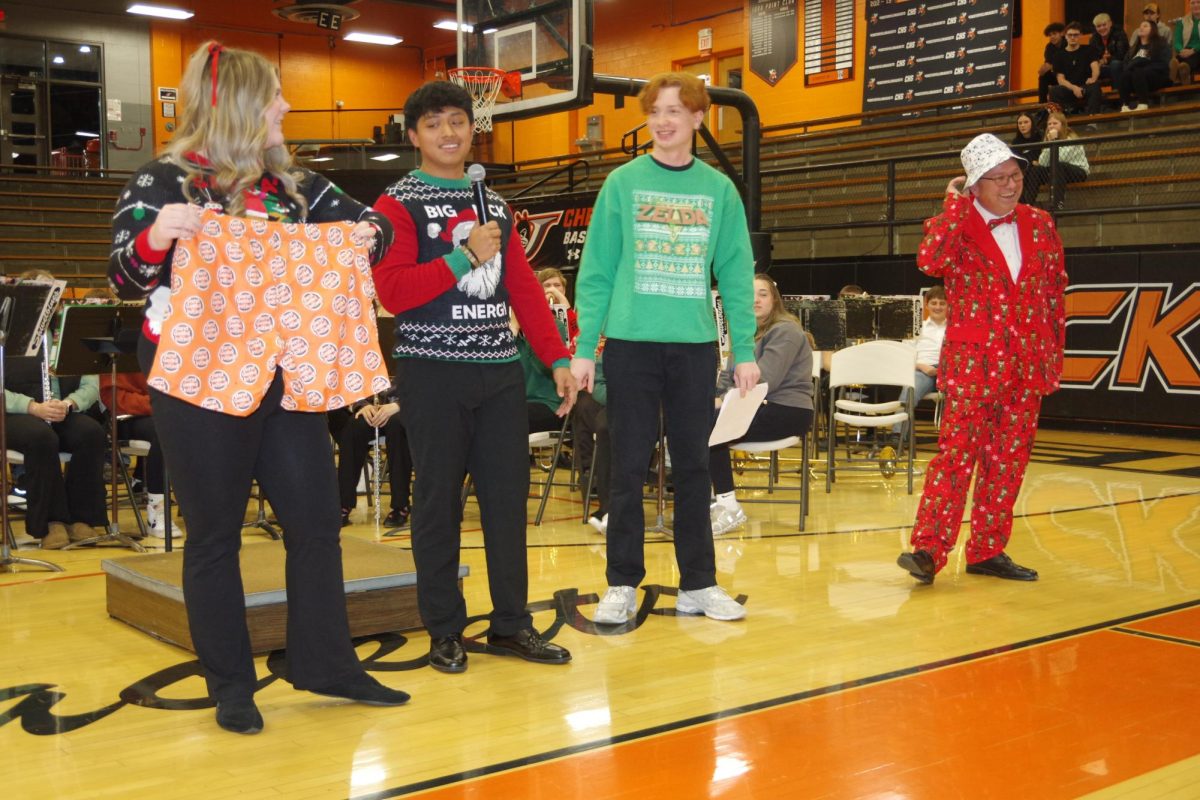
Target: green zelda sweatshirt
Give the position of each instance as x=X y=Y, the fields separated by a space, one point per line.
x=657 y=238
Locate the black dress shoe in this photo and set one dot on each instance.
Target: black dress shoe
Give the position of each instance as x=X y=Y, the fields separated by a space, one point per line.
x=345 y=517
x=446 y=653
x=529 y=645
x=239 y=716
x=1001 y=566
x=366 y=690
x=919 y=564
x=396 y=518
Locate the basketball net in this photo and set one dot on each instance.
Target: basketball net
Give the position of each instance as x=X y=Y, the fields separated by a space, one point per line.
x=483 y=84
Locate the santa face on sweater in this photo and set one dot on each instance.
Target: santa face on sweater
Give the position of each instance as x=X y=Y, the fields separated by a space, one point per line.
x=482 y=281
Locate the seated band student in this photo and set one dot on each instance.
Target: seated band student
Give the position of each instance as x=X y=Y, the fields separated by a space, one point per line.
x=784 y=357
x=541 y=393
x=554 y=283
x=929 y=351
x=354 y=430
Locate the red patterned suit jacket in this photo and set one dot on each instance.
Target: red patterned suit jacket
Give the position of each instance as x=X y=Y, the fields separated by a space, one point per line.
x=998 y=333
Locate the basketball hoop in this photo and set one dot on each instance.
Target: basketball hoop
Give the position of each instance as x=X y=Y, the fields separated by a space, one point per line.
x=483 y=84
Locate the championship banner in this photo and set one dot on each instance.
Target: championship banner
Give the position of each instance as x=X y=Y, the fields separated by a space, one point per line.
x=921 y=52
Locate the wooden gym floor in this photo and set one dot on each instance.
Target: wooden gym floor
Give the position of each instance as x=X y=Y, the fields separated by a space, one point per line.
x=846 y=679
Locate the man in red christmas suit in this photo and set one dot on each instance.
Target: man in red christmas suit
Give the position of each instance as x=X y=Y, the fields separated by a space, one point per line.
x=1002 y=264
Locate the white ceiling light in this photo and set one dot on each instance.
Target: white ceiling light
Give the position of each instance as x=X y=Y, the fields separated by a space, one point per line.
x=165 y=12
x=320 y=158
x=451 y=25
x=386 y=157
x=373 y=38
x=59 y=60
x=87 y=134
x=83 y=48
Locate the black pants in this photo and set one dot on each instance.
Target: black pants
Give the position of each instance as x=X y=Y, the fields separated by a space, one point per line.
x=772 y=421
x=152 y=465
x=1143 y=80
x=1067 y=99
x=354 y=438
x=51 y=498
x=679 y=378
x=213 y=458
x=1037 y=175
x=590 y=424
x=1045 y=84
x=464 y=417
x=542 y=418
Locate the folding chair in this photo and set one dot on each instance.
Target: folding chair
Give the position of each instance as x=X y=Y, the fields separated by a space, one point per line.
x=878 y=363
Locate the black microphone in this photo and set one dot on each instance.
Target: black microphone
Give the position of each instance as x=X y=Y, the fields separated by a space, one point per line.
x=477 y=173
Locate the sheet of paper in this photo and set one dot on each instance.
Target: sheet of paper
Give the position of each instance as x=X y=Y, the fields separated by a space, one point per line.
x=736 y=414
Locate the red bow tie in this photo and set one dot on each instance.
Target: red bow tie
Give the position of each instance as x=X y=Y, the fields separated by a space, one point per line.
x=1007 y=218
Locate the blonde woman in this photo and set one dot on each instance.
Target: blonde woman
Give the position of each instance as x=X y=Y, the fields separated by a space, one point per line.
x=1073 y=165
x=229 y=154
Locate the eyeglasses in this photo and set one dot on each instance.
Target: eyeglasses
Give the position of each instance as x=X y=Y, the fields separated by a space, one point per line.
x=1005 y=180
x=1072 y=35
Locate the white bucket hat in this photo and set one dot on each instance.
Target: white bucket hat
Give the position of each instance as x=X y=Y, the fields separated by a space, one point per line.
x=983 y=153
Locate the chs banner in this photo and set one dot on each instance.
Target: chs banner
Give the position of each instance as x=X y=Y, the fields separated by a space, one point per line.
x=554 y=229
x=919 y=52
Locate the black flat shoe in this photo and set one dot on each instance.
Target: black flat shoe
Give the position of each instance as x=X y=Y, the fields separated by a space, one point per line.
x=366 y=690
x=239 y=716
x=529 y=645
x=345 y=517
x=1001 y=566
x=446 y=654
x=919 y=564
x=396 y=518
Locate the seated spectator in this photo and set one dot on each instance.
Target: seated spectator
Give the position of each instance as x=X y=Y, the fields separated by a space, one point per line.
x=1072 y=167
x=1147 y=68
x=355 y=431
x=554 y=283
x=929 y=351
x=1187 y=39
x=1077 y=72
x=1180 y=73
x=59 y=511
x=1047 y=77
x=1027 y=143
x=542 y=401
x=784 y=357
x=1109 y=45
x=590 y=425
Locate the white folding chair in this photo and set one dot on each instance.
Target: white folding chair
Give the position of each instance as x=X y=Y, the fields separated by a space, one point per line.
x=773 y=447
x=878 y=363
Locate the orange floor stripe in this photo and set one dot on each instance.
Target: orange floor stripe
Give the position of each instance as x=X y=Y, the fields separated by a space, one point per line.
x=1109 y=706
x=1181 y=624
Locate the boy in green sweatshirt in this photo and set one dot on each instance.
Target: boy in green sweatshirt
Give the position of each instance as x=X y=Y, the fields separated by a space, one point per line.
x=664 y=225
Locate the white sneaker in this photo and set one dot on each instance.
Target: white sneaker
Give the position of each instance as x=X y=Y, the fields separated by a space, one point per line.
x=1126 y=109
x=724 y=519
x=713 y=602
x=155 y=518
x=617 y=607
x=599 y=523
x=1141 y=107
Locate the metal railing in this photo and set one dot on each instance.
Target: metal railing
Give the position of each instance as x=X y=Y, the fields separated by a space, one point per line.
x=1153 y=170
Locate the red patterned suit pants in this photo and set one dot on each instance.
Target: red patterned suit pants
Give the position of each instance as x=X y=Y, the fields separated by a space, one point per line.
x=989 y=437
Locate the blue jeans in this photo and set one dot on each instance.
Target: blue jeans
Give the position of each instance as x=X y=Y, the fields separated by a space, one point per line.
x=922 y=385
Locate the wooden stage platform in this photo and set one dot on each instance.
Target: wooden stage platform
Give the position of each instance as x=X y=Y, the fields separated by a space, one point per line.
x=146 y=591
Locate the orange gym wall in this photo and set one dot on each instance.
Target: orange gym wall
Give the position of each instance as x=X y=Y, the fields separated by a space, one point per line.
x=635 y=38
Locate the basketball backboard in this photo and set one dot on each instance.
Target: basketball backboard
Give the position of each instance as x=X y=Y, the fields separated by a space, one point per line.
x=547 y=42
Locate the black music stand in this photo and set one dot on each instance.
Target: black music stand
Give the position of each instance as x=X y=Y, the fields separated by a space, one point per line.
x=660 y=520
x=93 y=339
x=7 y=543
